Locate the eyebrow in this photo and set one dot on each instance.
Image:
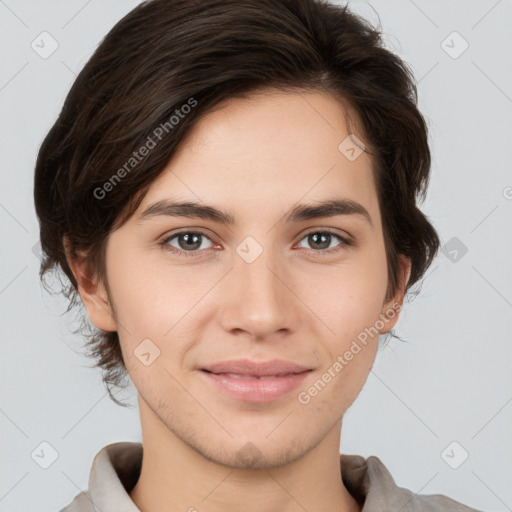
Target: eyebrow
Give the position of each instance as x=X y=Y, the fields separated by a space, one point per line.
x=301 y=212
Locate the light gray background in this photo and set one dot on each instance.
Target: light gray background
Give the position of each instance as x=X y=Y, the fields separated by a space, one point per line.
x=450 y=382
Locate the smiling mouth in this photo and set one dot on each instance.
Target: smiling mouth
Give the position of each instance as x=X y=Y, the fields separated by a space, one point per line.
x=255 y=388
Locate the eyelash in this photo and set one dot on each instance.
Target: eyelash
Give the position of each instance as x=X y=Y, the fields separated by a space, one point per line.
x=318 y=253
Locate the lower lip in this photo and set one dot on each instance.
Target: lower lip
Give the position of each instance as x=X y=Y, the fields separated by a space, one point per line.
x=256 y=390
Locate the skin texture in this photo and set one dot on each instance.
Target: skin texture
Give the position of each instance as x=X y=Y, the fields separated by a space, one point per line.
x=256 y=158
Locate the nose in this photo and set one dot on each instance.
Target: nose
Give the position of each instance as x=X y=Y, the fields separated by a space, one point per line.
x=258 y=298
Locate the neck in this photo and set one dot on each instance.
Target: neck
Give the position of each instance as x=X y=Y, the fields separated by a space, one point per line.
x=176 y=477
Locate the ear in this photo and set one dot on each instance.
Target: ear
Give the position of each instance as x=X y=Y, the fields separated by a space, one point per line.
x=391 y=308
x=91 y=290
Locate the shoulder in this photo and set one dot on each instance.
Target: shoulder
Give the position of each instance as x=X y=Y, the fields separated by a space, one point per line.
x=369 y=481
x=115 y=469
x=81 y=503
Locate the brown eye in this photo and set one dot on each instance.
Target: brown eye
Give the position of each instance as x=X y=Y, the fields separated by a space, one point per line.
x=186 y=242
x=325 y=241
x=320 y=240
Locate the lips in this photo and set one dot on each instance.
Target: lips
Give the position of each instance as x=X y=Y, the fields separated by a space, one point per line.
x=262 y=377
x=252 y=381
x=245 y=368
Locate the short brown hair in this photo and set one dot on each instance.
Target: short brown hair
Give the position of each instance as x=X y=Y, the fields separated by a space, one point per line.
x=166 y=54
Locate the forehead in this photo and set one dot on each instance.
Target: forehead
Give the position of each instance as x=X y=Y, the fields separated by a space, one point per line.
x=272 y=148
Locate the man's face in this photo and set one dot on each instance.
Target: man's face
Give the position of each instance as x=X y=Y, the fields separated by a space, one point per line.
x=262 y=288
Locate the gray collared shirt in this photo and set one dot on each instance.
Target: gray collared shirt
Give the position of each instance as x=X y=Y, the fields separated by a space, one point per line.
x=116 y=469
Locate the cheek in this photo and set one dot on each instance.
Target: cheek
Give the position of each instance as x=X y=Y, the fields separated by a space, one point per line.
x=142 y=299
x=155 y=301
x=348 y=297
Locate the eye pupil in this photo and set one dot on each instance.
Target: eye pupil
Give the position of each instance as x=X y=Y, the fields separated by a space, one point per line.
x=324 y=241
x=192 y=240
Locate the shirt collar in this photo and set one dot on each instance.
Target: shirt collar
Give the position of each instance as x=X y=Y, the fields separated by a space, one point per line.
x=116 y=469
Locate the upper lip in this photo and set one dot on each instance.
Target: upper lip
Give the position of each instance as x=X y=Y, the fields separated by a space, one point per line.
x=260 y=369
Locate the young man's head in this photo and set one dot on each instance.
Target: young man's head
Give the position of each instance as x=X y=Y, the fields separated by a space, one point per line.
x=238 y=180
